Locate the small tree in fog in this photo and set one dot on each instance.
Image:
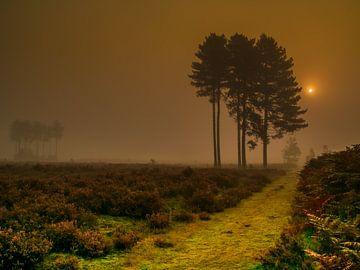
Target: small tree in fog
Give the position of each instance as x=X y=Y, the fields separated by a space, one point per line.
x=326 y=149
x=311 y=155
x=291 y=152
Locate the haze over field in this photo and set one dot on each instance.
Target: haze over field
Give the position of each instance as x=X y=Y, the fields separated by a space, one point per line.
x=115 y=73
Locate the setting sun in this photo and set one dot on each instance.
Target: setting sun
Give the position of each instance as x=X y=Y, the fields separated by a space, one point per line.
x=310 y=90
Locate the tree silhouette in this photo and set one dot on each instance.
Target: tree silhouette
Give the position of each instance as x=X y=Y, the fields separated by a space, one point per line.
x=37 y=130
x=209 y=75
x=311 y=155
x=26 y=133
x=16 y=135
x=57 y=130
x=243 y=64
x=279 y=94
x=291 y=152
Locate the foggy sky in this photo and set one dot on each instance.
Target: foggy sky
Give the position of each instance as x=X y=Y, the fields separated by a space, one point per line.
x=115 y=73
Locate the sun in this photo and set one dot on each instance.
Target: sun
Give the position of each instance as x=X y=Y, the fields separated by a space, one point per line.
x=310 y=90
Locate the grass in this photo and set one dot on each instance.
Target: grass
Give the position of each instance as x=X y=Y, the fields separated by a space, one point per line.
x=233 y=239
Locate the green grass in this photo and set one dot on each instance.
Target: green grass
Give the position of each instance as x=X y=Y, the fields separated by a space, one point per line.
x=233 y=239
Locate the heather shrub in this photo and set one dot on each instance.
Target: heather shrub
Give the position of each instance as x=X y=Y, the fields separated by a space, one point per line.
x=145 y=203
x=91 y=244
x=204 y=216
x=21 y=250
x=188 y=171
x=68 y=238
x=63 y=235
x=205 y=200
x=183 y=216
x=158 y=221
x=124 y=240
x=64 y=263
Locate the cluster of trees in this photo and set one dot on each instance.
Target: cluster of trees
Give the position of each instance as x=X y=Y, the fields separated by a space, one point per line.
x=256 y=81
x=35 y=141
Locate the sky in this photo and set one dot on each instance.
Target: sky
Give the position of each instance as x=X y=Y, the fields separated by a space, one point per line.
x=115 y=73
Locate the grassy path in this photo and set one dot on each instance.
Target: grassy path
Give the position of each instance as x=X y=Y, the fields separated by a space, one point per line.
x=232 y=239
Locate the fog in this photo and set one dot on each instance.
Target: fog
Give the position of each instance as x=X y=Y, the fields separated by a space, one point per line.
x=115 y=73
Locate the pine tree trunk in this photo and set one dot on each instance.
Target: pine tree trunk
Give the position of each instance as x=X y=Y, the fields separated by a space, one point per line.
x=244 y=123
x=214 y=128
x=265 y=133
x=238 y=127
x=218 y=129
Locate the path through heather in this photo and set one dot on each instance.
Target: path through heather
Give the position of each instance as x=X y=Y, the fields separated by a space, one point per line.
x=232 y=239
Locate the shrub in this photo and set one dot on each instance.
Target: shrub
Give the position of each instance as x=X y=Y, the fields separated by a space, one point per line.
x=64 y=263
x=158 y=221
x=63 y=235
x=204 y=216
x=188 y=171
x=288 y=254
x=123 y=239
x=145 y=203
x=183 y=216
x=20 y=250
x=68 y=238
x=91 y=244
x=203 y=201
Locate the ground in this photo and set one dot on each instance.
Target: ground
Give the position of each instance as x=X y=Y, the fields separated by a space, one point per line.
x=233 y=239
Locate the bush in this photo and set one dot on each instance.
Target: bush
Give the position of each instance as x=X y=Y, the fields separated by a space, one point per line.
x=288 y=254
x=123 y=239
x=204 y=216
x=63 y=235
x=20 y=250
x=188 y=172
x=64 y=263
x=158 y=221
x=205 y=201
x=183 y=216
x=91 y=244
x=68 y=238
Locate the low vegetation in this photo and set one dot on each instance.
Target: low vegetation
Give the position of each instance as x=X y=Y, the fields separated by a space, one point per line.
x=47 y=209
x=325 y=228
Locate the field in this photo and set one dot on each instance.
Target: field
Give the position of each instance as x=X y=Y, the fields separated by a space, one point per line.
x=101 y=216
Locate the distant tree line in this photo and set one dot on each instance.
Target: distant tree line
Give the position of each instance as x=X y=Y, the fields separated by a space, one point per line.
x=35 y=141
x=256 y=81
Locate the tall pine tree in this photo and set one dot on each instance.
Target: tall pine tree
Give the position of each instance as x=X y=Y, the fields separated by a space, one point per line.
x=209 y=75
x=278 y=94
x=243 y=64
